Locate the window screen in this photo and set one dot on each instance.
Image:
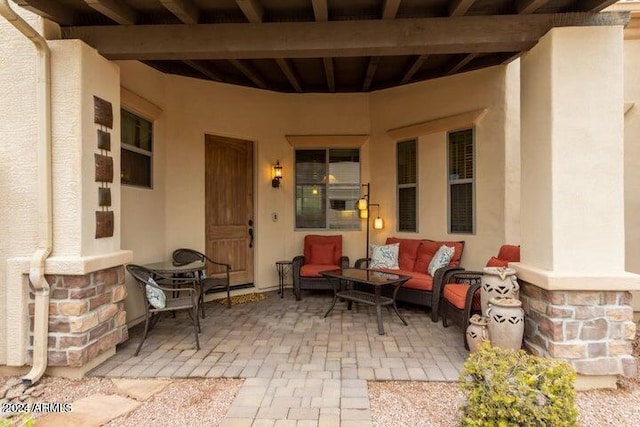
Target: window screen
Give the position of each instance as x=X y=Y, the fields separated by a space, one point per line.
x=327 y=188
x=407 y=167
x=136 y=150
x=461 y=182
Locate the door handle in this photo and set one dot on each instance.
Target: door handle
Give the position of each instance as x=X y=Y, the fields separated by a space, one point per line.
x=250 y=231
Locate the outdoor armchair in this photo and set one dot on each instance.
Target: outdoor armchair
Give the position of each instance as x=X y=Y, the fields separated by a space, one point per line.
x=461 y=292
x=208 y=283
x=155 y=291
x=320 y=253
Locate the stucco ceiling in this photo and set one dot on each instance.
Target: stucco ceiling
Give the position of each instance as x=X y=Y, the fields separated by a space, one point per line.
x=317 y=45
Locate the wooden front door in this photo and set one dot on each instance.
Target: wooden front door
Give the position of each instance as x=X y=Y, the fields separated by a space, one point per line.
x=229 y=224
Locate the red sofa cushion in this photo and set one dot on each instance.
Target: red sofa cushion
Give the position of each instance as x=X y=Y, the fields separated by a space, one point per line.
x=407 y=253
x=421 y=281
x=427 y=250
x=312 y=239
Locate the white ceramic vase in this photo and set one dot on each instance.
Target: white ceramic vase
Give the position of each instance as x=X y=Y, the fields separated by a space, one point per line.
x=498 y=282
x=506 y=323
x=477 y=332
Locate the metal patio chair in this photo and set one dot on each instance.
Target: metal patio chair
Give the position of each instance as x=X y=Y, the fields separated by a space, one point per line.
x=208 y=283
x=155 y=287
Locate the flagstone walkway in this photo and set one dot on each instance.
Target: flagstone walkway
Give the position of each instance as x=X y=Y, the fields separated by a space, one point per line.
x=300 y=369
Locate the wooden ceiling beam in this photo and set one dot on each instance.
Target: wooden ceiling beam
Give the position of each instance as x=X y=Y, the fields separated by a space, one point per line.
x=289 y=73
x=50 y=9
x=390 y=9
x=185 y=10
x=594 y=5
x=529 y=6
x=320 y=10
x=460 y=7
x=371 y=71
x=413 y=69
x=249 y=73
x=252 y=9
x=205 y=69
x=423 y=36
x=115 y=10
x=460 y=64
x=328 y=72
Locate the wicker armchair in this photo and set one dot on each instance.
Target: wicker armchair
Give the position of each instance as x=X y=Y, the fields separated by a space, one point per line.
x=320 y=253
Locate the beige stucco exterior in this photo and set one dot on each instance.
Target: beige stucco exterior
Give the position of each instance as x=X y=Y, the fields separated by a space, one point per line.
x=569 y=241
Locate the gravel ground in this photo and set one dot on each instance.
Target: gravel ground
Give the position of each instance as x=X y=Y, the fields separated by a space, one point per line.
x=192 y=402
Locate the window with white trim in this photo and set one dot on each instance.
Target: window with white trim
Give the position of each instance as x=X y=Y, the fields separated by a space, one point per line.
x=327 y=188
x=136 y=150
x=461 y=181
x=407 y=176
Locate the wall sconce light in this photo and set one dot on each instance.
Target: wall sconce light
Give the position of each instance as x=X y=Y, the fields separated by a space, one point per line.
x=277 y=175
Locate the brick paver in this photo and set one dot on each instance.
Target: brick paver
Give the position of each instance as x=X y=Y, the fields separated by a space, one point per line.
x=300 y=369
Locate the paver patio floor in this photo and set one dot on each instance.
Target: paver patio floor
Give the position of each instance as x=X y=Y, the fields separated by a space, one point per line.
x=298 y=365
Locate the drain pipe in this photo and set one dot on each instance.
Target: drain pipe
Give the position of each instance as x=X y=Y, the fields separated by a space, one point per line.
x=45 y=210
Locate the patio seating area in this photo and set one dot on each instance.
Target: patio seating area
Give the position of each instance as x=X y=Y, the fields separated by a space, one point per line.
x=285 y=347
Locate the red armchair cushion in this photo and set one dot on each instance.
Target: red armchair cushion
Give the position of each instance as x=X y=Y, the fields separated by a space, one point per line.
x=312 y=239
x=322 y=253
x=509 y=253
x=495 y=262
x=408 y=252
x=456 y=294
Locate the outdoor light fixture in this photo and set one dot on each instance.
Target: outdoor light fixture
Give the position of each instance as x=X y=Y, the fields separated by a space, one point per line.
x=277 y=175
x=363 y=206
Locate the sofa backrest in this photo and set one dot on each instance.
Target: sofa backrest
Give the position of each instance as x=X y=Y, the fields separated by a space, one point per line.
x=320 y=249
x=416 y=254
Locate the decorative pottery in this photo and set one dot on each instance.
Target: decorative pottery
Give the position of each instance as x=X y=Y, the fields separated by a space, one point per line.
x=506 y=323
x=498 y=282
x=477 y=332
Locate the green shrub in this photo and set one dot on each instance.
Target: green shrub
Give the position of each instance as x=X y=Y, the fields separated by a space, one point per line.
x=508 y=388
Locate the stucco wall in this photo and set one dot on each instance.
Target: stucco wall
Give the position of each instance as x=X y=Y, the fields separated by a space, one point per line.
x=435 y=99
x=632 y=160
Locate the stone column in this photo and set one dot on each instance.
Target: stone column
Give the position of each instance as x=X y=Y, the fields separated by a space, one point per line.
x=575 y=290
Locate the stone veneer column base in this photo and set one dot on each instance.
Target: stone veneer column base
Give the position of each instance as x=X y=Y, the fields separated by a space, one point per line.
x=87 y=318
x=591 y=330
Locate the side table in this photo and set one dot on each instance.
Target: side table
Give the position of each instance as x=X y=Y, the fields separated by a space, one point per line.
x=284 y=269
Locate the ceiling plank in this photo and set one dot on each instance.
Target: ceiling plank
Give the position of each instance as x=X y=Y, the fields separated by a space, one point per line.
x=371 y=71
x=205 y=69
x=249 y=73
x=289 y=74
x=460 y=64
x=594 y=5
x=328 y=72
x=529 y=6
x=50 y=9
x=115 y=10
x=252 y=9
x=185 y=10
x=390 y=9
x=320 y=10
x=413 y=69
x=422 y=36
x=460 y=7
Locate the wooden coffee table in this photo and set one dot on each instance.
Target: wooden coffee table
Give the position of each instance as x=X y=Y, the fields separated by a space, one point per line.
x=376 y=279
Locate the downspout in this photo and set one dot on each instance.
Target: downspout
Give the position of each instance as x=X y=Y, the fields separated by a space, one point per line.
x=45 y=210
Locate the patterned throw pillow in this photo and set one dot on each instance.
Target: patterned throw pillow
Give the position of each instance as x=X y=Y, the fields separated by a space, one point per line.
x=441 y=259
x=155 y=295
x=385 y=256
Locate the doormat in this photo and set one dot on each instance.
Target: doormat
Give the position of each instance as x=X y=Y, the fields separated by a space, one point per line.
x=241 y=299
